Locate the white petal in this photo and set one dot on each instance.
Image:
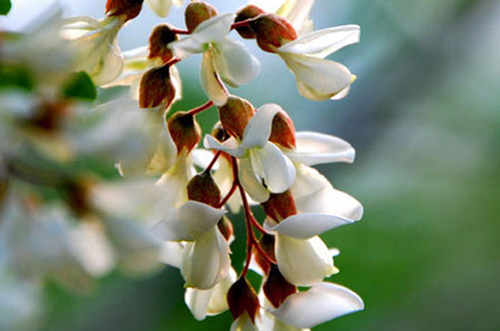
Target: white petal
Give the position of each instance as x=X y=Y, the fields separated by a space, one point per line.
x=214 y=29
x=304 y=226
x=318 y=148
x=317 y=79
x=313 y=193
x=206 y=261
x=303 y=262
x=251 y=182
x=234 y=62
x=187 y=46
x=171 y=253
x=230 y=146
x=297 y=13
x=191 y=221
x=278 y=170
x=209 y=302
x=259 y=127
x=321 y=303
x=109 y=67
x=243 y=323
x=135 y=247
x=323 y=42
x=211 y=83
x=160 y=7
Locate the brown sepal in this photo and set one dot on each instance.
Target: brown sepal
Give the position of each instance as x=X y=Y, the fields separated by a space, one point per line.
x=185 y=131
x=246 y=13
x=266 y=242
x=202 y=188
x=283 y=131
x=241 y=297
x=272 y=32
x=235 y=115
x=276 y=287
x=128 y=8
x=280 y=206
x=197 y=12
x=161 y=36
x=156 y=88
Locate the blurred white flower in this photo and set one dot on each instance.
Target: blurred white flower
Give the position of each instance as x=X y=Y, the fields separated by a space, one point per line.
x=97 y=46
x=294 y=11
x=162 y=7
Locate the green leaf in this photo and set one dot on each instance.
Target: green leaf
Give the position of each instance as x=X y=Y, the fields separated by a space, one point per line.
x=80 y=86
x=5 y=7
x=15 y=76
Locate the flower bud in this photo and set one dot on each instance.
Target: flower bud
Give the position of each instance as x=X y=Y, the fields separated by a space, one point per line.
x=185 y=131
x=156 y=88
x=202 y=188
x=280 y=206
x=276 y=287
x=266 y=242
x=226 y=228
x=161 y=36
x=272 y=32
x=197 y=12
x=283 y=131
x=241 y=297
x=246 y=13
x=235 y=115
x=128 y=8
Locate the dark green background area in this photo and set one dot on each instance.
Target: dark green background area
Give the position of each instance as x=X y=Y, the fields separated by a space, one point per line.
x=424 y=117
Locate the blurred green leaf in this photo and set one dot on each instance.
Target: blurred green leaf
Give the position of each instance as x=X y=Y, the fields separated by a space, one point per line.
x=15 y=76
x=80 y=86
x=5 y=7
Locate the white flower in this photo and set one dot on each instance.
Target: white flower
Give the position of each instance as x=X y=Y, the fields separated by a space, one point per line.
x=222 y=56
x=321 y=303
x=244 y=323
x=162 y=7
x=97 y=46
x=206 y=258
x=317 y=78
x=210 y=302
x=260 y=160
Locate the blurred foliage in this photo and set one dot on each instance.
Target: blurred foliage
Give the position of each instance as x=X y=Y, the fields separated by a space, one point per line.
x=424 y=119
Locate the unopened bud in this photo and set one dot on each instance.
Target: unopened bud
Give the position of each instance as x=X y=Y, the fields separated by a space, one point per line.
x=185 y=131
x=156 y=88
x=128 y=8
x=272 y=32
x=235 y=115
x=161 y=36
x=226 y=228
x=202 y=188
x=277 y=288
x=246 y=13
x=266 y=242
x=283 y=130
x=197 y=12
x=280 y=206
x=241 y=297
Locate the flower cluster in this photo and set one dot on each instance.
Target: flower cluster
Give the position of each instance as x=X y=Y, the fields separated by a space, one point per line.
x=87 y=186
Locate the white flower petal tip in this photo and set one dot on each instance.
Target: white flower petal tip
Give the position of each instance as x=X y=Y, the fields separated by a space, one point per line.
x=229 y=146
x=259 y=127
x=162 y=7
x=323 y=42
x=305 y=226
x=318 y=148
x=321 y=303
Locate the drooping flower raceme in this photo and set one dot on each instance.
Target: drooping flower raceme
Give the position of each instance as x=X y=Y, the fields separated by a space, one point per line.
x=96 y=179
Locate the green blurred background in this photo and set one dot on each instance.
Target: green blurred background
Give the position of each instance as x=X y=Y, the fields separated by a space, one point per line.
x=424 y=117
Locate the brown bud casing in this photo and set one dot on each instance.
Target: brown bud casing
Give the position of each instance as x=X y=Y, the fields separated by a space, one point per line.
x=49 y=116
x=280 y=206
x=283 y=131
x=202 y=188
x=272 y=32
x=161 y=36
x=235 y=115
x=128 y=8
x=277 y=288
x=246 y=13
x=78 y=197
x=156 y=88
x=185 y=131
x=266 y=242
x=241 y=297
x=226 y=228
x=197 y=12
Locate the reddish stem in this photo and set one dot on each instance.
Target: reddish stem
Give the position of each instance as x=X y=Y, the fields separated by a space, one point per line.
x=241 y=24
x=229 y=194
x=172 y=62
x=201 y=108
x=179 y=31
x=212 y=163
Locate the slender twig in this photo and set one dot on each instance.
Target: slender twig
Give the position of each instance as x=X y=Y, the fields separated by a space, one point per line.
x=201 y=108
